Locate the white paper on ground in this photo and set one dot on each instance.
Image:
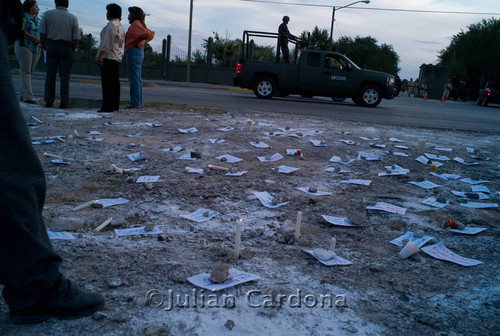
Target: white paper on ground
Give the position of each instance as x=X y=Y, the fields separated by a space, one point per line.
x=94 y=133
x=148 y=179
x=377 y=145
x=188 y=130
x=216 y=141
x=462 y=161
x=470 y=230
x=173 y=149
x=409 y=235
x=477 y=205
x=422 y=159
x=274 y=133
x=138 y=156
x=337 y=261
x=274 y=157
x=136 y=231
x=293 y=151
x=59 y=161
x=60 y=235
x=318 y=193
x=445 y=176
x=287 y=130
x=396 y=140
x=439 y=251
x=133 y=135
x=318 y=143
x=432 y=202
x=235 y=277
x=443 y=149
x=226 y=129
x=187 y=157
x=229 y=158
x=337 y=159
x=462 y=194
x=480 y=188
x=95 y=139
x=368 y=138
x=387 y=207
x=425 y=184
x=341 y=221
x=154 y=125
x=286 y=169
x=192 y=170
x=337 y=170
x=107 y=202
x=401 y=147
x=470 y=150
x=398 y=153
x=471 y=181
x=367 y=157
x=357 y=181
x=348 y=142
x=198 y=216
x=259 y=144
x=267 y=199
x=238 y=173
x=437 y=157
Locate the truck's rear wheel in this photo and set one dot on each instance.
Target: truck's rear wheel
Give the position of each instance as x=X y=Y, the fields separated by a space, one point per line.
x=264 y=87
x=369 y=96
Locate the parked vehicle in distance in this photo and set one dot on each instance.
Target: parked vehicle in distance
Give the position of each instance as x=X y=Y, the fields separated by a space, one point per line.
x=312 y=73
x=490 y=93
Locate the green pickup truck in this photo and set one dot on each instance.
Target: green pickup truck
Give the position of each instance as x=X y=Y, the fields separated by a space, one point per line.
x=312 y=73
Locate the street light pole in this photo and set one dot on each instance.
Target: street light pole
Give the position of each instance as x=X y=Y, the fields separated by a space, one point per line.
x=188 y=68
x=334 y=8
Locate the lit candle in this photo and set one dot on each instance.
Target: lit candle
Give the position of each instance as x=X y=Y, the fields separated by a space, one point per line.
x=54 y=156
x=249 y=125
x=116 y=169
x=77 y=134
x=84 y=205
x=298 y=225
x=213 y=167
x=103 y=225
x=333 y=244
x=36 y=119
x=237 y=239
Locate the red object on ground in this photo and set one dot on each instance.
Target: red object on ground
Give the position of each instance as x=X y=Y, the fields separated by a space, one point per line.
x=451 y=223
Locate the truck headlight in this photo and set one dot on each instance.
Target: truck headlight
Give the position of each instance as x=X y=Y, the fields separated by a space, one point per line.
x=390 y=81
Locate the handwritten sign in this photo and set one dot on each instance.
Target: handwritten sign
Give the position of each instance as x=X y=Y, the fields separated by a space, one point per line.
x=148 y=179
x=201 y=215
x=275 y=157
x=409 y=235
x=136 y=231
x=267 y=200
x=107 y=202
x=317 y=193
x=235 y=277
x=60 y=235
x=341 y=221
x=439 y=251
x=387 y=207
x=337 y=261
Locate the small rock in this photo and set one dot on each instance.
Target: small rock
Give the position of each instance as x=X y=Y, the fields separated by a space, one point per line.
x=223 y=159
x=303 y=241
x=115 y=283
x=98 y=316
x=219 y=274
x=206 y=214
x=118 y=221
x=405 y=241
x=418 y=234
x=358 y=218
x=149 y=227
x=229 y=324
x=313 y=189
x=148 y=186
x=66 y=224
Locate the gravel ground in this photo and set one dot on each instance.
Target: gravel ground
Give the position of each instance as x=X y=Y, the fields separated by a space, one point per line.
x=378 y=294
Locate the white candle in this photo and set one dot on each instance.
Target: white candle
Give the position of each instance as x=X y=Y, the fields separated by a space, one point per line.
x=84 y=205
x=54 y=156
x=103 y=225
x=298 y=225
x=333 y=244
x=218 y=168
x=116 y=169
x=237 y=239
x=249 y=125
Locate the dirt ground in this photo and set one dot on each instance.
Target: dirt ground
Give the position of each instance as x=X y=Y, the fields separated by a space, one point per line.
x=381 y=293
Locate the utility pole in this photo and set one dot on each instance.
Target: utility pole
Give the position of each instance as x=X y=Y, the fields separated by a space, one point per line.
x=189 y=42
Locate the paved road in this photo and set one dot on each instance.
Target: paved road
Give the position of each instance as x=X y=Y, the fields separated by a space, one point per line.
x=400 y=111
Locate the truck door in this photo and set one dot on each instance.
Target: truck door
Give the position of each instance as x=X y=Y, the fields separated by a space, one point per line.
x=338 y=77
x=310 y=72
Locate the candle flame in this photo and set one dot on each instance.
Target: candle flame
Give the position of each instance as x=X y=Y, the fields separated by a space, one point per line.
x=240 y=220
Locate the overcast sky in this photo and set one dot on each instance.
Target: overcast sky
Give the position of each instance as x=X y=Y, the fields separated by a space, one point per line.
x=416 y=37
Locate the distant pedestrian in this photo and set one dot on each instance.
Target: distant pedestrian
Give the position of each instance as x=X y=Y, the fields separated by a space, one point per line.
x=284 y=35
x=423 y=88
x=59 y=35
x=27 y=49
x=447 y=90
x=109 y=57
x=411 y=84
x=135 y=40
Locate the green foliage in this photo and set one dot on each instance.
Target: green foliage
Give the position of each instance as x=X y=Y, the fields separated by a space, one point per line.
x=474 y=53
x=320 y=39
x=225 y=51
x=365 y=52
x=198 y=58
x=151 y=57
x=87 y=42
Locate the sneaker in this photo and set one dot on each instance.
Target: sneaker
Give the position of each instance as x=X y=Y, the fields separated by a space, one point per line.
x=62 y=301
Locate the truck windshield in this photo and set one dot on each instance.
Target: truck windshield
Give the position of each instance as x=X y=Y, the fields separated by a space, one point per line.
x=353 y=64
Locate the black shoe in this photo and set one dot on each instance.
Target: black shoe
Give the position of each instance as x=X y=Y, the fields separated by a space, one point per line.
x=62 y=301
x=104 y=111
x=64 y=106
x=133 y=107
x=30 y=101
x=49 y=105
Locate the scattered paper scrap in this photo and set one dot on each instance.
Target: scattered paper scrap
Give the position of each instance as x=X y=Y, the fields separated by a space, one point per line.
x=238 y=173
x=437 y=157
x=286 y=169
x=368 y=138
x=44 y=142
x=287 y=129
x=147 y=179
x=338 y=159
x=201 y=215
x=445 y=176
x=462 y=161
x=172 y=149
x=95 y=139
x=274 y=157
x=336 y=261
x=394 y=170
x=187 y=157
x=154 y=125
x=357 y=181
x=398 y=153
x=401 y=147
x=259 y=144
x=229 y=158
x=348 y=142
x=367 y=157
x=111 y=123
x=480 y=195
x=235 y=277
x=470 y=230
x=425 y=184
x=377 y=145
x=421 y=241
x=344 y=133
x=337 y=170
x=439 y=251
x=194 y=170
x=138 y=156
x=188 y=130
x=341 y=221
x=396 y=140
x=432 y=201
x=136 y=231
x=317 y=193
x=274 y=133
x=267 y=200
x=387 y=207
x=216 y=141
x=480 y=188
x=59 y=161
x=422 y=159
x=226 y=129
x=318 y=143
x=294 y=152
x=94 y=133
x=443 y=149
x=471 y=181
x=107 y=202
x=478 y=205
x=133 y=135
x=60 y=235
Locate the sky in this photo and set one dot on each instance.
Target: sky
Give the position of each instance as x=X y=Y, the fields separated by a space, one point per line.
x=416 y=37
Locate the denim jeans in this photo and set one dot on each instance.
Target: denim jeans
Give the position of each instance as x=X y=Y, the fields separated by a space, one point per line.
x=135 y=57
x=59 y=58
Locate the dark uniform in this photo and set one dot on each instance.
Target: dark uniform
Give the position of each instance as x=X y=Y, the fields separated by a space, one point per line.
x=284 y=35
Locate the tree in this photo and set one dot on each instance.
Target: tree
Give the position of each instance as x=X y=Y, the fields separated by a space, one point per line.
x=151 y=57
x=474 y=54
x=225 y=51
x=86 y=41
x=365 y=52
x=320 y=39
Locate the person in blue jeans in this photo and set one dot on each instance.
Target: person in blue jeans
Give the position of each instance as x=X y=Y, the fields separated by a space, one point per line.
x=135 y=40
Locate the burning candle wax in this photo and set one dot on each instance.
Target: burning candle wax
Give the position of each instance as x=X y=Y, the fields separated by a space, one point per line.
x=237 y=239
x=298 y=225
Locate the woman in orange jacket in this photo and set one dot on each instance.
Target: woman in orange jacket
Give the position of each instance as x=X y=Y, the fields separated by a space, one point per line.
x=135 y=40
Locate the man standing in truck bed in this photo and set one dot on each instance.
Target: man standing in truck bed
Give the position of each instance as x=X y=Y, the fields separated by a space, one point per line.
x=284 y=35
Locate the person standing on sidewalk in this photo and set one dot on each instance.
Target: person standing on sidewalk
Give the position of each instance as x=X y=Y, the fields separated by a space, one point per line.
x=135 y=40
x=59 y=35
x=27 y=49
x=109 y=57
x=34 y=287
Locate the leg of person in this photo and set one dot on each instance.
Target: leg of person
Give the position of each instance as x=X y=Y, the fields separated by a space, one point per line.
x=134 y=65
x=65 y=65
x=141 y=59
x=35 y=56
x=52 y=56
x=23 y=55
x=34 y=288
x=115 y=80
x=106 y=85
